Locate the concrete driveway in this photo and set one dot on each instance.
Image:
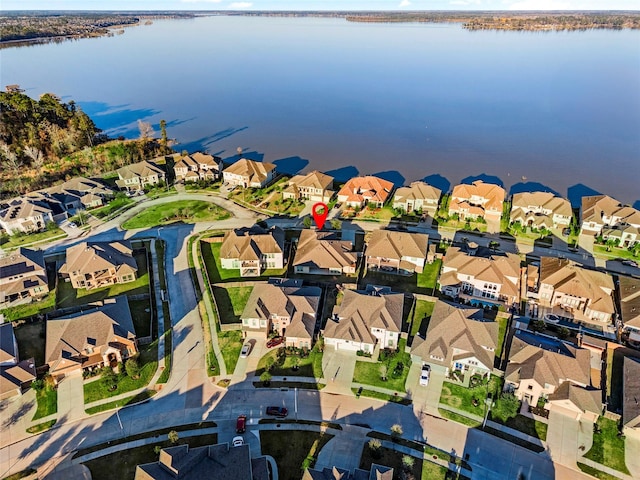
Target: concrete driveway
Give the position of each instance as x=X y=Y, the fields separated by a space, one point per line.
x=71 y=398
x=564 y=437
x=338 y=367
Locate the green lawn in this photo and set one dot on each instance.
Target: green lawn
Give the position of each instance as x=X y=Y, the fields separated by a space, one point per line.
x=502 y=330
x=44 y=305
x=369 y=373
x=293 y=450
x=391 y=458
x=47 y=399
x=601 y=250
x=41 y=427
x=461 y=398
x=8 y=242
x=120 y=201
x=230 y=344
x=608 y=447
x=595 y=473
x=456 y=417
x=185 y=211
x=382 y=396
x=417 y=283
x=231 y=302
x=69 y=296
x=164 y=376
x=148 y=361
x=526 y=425
x=310 y=366
x=429 y=276
x=122 y=402
x=421 y=316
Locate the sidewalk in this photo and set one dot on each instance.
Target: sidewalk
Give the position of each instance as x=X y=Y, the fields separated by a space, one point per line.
x=159 y=311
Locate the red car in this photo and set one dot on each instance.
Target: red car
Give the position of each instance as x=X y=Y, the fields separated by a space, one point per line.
x=241 y=424
x=275 y=341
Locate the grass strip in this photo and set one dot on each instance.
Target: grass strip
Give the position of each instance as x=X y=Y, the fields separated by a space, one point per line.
x=41 y=427
x=140 y=397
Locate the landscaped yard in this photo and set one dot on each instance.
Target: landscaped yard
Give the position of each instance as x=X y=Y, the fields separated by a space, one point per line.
x=230 y=344
x=391 y=458
x=231 y=302
x=502 y=330
x=185 y=211
x=608 y=447
x=429 y=276
x=418 y=282
x=462 y=398
x=69 y=296
x=601 y=250
x=120 y=201
x=456 y=417
x=217 y=274
x=47 y=400
x=309 y=366
x=8 y=242
x=369 y=373
x=148 y=362
x=293 y=450
x=421 y=315
x=26 y=310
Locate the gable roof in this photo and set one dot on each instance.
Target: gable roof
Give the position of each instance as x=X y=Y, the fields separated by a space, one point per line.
x=23 y=208
x=12 y=377
x=630 y=300
x=256 y=171
x=313 y=179
x=493 y=194
x=89 y=257
x=323 y=250
x=196 y=159
x=23 y=261
x=360 y=312
x=593 y=208
x=140 y=169
x=368 y=188
x=8 y=350
x=417 y=191
x=251 y=243
x=631 y=392
x=547 y=200
x=391 y=244
x=586 y=399
x=457 y=328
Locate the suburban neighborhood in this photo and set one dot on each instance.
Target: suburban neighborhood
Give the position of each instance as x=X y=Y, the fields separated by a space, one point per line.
x=186 y=314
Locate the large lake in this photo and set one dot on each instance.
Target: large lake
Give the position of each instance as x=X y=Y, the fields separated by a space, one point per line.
x=406 y=100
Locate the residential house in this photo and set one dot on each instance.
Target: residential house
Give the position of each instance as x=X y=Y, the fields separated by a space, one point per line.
x=22 y=275
x=103 y=335
x=138 y=176
x=538 y=366
x=376 y=472
x=478 y=200
x=284 y=307
x=365 y=320
x=249 y=173
x=481 y=276
x=368 y=190
x=419 y=197
x=540 y=210
x=459 y=342
x=314 y=186
x=197 y=166
x=25 y=215
x=397 y=252
x=570 y=291
x=98 y=264
x=15 y=376
x=600 y=212
x=631 y=396
x=625 y=236
x=323 y=253
x=219 y=462
x=629 y=289
x=252 y=250
x=80 y=193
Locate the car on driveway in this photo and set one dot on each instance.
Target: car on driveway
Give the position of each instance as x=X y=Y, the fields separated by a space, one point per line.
x=237 y=441
x=274 y=342
x=551 y=318
x=280 y=412
x=246 y=349
x=241 y=424
x=72 y=225
x=424 y=375
x=630 y=263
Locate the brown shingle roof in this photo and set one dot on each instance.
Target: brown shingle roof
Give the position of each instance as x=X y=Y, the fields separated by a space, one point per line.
x=90 y=257
x=249 y=244
x=313 y=179
x=417 y=191
x=594 y=206
x=493 y=194
x=586 y=399
x=323 y=250
x=395 y=245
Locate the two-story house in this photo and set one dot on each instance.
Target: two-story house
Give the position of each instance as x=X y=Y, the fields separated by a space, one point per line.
x=629 y=291
x=364 y=320
x=397 y=252
x=568 y=290
x=601 y=212
x=22 y=275
x=283 y=306
x=249 y=173
x=419 y=196
x=481 y=276
x=479 y=199
x=324 y=253
x=367 y=190
x=631 y=397
x=90 y=339
x=15 y=375
x=197 y=166
x=138 y=176
x=98 y=264
x=25 y=215
x=540 y=210
x=252 y=250
x=314 y=186
x=459 y=342
x=80 y=193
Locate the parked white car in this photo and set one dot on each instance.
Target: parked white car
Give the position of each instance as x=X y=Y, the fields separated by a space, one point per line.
x=246 y=348
x=424 y=375
x=237 y=441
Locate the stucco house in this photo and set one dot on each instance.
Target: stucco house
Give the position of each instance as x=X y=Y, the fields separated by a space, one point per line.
x=283 y=306
x=25 y=215
x=324 y=253
x=481 y=276
x=197 y=166
x=479 y=199
x=15 y=375
x=419 y=196
x=139 y=175
x=314 y=186
x=23 y=275
x=100 y=336
x=249 y=173
x=540 y=209
x=459 y=342
x=367 y=190
x=397 y=252
x=365 y=320
x=98 y=264
x=252 y=250
x=600 y=212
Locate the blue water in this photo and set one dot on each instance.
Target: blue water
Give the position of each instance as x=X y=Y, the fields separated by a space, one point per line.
x=406 y=100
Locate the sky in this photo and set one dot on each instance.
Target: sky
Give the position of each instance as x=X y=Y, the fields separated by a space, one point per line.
x=319 y=5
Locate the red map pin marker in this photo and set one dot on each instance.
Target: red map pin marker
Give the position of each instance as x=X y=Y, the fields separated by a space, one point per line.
x=320 y=212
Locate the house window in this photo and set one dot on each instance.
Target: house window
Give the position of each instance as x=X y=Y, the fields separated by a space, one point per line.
x=530 y=387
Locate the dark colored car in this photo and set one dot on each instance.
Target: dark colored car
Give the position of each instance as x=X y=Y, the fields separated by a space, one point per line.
x=277 y=411
x=241 y=424
x=275 y=341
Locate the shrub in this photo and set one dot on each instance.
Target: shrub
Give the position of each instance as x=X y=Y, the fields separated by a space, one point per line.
x=407 y=462
x=132 y=368
x=173 y=436
x=396 y=431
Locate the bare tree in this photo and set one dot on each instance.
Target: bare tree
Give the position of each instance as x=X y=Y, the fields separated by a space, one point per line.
x=36 y=156
x=146 y=130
